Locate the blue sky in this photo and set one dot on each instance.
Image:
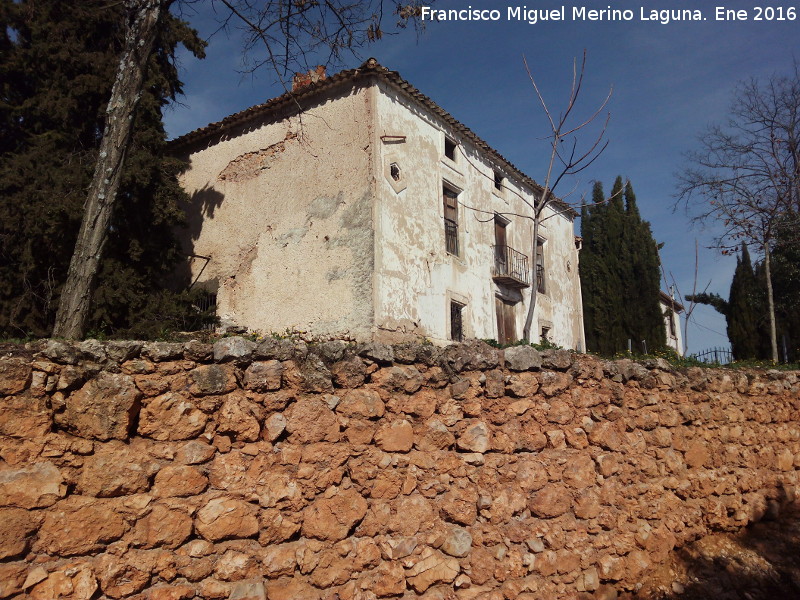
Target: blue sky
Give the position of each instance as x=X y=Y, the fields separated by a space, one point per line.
x=669 y=80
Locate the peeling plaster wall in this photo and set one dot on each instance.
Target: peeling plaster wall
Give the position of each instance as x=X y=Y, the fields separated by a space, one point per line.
x=674 y=341
x=283 y=208
x=416 y=278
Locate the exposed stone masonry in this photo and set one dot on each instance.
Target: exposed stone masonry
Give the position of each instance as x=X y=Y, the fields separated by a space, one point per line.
x=281 y=470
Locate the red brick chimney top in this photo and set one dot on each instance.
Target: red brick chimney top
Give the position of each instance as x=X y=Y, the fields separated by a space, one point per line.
x=301 y=80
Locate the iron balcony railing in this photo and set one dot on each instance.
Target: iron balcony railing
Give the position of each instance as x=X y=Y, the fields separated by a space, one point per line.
x=510 y=267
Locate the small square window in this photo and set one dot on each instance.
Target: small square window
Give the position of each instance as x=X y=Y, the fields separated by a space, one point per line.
x=456 y=321
x=449 y=149
x=498 y=181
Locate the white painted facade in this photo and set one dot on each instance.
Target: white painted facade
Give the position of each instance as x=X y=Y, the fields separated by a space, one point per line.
x=672 y=321
x=332 y=221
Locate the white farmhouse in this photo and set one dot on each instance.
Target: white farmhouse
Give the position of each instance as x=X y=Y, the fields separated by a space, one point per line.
x=355 y=207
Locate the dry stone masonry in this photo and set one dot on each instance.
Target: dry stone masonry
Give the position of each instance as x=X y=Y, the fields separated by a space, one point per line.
x=280 y=470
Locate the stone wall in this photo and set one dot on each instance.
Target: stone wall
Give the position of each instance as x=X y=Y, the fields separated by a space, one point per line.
x=278 y=470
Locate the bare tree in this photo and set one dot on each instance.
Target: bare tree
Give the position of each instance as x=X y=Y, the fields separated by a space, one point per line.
x=746 y=174
x=565 y=160
x=290 y=33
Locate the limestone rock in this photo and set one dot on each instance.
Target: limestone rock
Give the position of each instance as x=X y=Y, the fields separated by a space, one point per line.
x=120 y=351
x=560 y=360
x=61 y=352
x=240 y=418
x=182 y=591
x=380 y=353
x=458 y=541
x=495 y=383
x=35 y=486
x=293 y=588
x=434 y=567
x=78 y=526
x=552 y=500
x=162 y=351
x=579 y=472
x=475 y=438
x=388 y=579
x=171 y=416
x=118 y=578
x=263 y=376
x=74 y=581
x=252 y=589
x=276 y=349
x=349 y=372
x=433 y=435
x=15 y=375
x=179 y=480
x=607 y=435
x=105 y=408
x=195 y=452
x=310 y=420
x=114 y=470
x=12 y=576
x=16 y=527
x=274 y=426
x=333 y=518
x=399 y=378
x=163 y=527
x=213 y=379
x=223 y=518
x=361 y=403
x=398 y=436
x=522 y=358
x=25 y=416
x=233 y=348
x=315 y=376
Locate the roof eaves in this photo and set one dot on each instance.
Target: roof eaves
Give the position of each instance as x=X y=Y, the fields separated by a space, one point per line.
x=370 y=67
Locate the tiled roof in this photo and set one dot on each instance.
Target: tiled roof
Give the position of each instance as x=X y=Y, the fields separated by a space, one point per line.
x=370 y=68
x=668 y=300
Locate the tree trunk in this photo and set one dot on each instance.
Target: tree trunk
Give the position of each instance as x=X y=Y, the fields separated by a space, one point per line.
x=526 y=331
x=773 y=336
x=140 y=34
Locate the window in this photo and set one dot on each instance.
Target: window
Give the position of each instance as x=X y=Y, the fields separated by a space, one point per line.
x=456 y=321
x=394 y=171
x=545 y=335
x=450 y=220
x=449 y=149
x=498 y=181
x=540 y=287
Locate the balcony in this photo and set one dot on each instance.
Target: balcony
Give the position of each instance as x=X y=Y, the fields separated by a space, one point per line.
x=510 y=267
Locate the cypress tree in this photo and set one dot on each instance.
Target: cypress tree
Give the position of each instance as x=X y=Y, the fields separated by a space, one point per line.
x=786 y=285
x=599 y=284
x=742 y=315
x=644 y=319
x=57 y=70
x=619 y=274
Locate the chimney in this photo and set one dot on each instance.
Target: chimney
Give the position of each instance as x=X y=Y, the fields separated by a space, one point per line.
x=301 y=80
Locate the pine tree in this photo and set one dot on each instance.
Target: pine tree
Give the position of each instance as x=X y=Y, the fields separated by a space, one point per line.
x=57 y=70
